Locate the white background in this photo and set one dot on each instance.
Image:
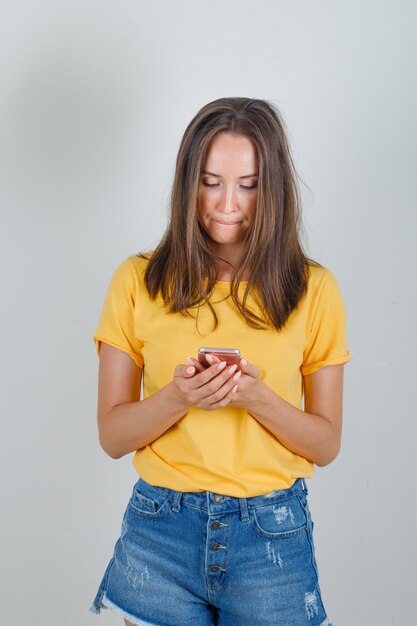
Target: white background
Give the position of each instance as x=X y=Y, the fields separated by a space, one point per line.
x=94 y=98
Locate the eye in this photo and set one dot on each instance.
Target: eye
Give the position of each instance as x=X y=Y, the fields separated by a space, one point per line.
x=249 y=186
x=210 y=184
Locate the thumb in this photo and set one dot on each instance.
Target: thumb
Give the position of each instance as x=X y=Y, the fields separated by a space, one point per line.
x=189 y=370
x=244 y=365
x=184 y=371
x=248 y=368
x=198 y=367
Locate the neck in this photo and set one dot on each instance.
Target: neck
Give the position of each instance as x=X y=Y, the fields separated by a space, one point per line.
x=227 y=259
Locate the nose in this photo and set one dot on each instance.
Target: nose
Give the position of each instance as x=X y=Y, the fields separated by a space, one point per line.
x=228 y=201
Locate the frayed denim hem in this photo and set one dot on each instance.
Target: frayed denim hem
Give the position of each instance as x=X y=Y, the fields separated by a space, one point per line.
x=105 y=603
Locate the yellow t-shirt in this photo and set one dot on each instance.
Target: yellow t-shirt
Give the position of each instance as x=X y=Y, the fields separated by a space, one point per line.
x=227 y=450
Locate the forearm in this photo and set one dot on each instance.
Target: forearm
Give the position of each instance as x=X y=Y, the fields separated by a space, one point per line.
x=131 y=426
x=310 y=436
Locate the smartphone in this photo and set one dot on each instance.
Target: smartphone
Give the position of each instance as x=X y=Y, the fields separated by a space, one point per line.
x=230 y=355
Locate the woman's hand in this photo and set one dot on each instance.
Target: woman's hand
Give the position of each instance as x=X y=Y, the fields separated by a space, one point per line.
x=248 y=384
x=248 y=387
x=206 y=388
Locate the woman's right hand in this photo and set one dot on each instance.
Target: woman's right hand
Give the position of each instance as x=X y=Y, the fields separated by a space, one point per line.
x=209 y=389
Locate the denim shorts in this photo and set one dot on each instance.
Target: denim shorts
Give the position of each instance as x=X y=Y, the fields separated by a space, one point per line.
x=206 y=559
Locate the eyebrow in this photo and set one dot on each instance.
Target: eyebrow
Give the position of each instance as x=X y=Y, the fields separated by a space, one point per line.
x=218 y=175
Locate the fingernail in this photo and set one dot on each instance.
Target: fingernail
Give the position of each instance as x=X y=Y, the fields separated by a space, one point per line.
x=190 y=370
x=244 y=362
x=232 y=369
x=190 y=360
x=237 y=376
x=221 y=365
x=234 y=389
x=209 y=358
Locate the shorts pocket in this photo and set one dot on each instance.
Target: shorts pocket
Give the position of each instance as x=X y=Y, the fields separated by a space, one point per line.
x=148 y=501
x=284 y=519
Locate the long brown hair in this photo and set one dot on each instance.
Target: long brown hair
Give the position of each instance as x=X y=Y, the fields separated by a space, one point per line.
x=183 y=267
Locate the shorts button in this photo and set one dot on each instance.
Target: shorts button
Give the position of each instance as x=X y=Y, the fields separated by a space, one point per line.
x=214 y=546
x=214 y=568
x=217 y=498
x=215 y=525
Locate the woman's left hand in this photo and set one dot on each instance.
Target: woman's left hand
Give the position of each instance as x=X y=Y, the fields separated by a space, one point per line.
x=248 y=385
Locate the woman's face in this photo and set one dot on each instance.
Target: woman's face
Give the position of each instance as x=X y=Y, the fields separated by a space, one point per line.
x=228 y=191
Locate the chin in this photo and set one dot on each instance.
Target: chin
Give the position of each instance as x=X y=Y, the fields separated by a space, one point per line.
x=234 y=236
x=226 y=242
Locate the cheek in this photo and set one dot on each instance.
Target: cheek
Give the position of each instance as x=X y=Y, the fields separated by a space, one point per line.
x=207 y=202
x=200 y=204
x=251 y=210
x=202 y=201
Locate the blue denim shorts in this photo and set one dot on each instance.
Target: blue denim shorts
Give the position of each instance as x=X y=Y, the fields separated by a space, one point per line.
x=206 y=559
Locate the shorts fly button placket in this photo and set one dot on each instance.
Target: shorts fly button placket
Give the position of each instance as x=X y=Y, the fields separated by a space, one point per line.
x=216 y=543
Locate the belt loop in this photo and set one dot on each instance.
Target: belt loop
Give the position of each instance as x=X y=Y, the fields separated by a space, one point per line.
x=244 y=515
x=176 y=500
x=304 y=486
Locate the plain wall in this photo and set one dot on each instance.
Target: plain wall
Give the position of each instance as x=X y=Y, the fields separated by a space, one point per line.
x=94 y=98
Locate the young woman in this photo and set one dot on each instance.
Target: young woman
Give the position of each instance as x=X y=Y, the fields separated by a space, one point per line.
x=218 y=530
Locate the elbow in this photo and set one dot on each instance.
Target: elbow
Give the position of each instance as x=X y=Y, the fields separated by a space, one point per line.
x=329 y=449
x=328 y=457
x=106 y=439
x=111 y=452
x=115 y=455
x=323 y=462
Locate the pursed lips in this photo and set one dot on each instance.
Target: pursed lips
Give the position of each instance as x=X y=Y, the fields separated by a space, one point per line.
x=226 y=223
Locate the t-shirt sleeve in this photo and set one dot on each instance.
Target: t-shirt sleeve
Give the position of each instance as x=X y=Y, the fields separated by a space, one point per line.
x=116 y=323
x=327 y=344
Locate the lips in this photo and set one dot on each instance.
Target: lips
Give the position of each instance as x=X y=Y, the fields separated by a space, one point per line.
x=226 y=223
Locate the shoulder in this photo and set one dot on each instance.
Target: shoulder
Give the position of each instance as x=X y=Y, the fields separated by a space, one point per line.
x=320 y=277
x=133 y=267
x=137 y=263
x=323 y=289
x=128 y=277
